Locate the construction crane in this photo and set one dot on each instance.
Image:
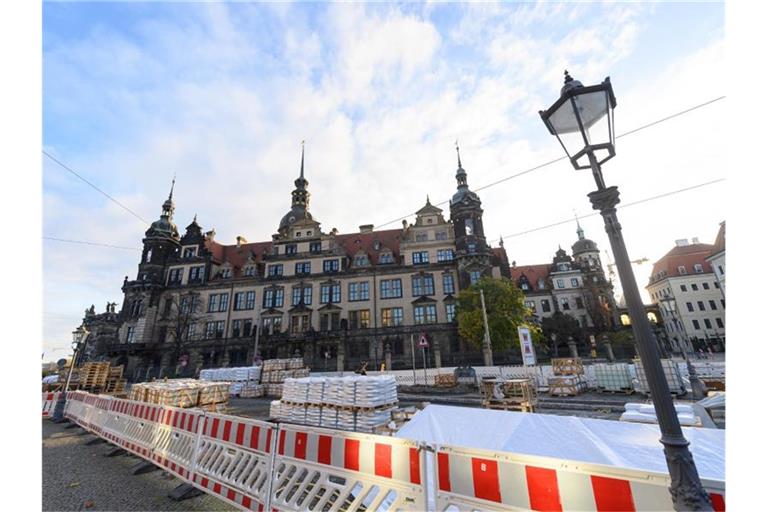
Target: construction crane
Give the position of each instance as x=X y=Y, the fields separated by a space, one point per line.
x=611 y=266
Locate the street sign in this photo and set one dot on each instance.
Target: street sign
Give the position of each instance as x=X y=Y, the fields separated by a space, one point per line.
x=526 y=346
x=423 y=343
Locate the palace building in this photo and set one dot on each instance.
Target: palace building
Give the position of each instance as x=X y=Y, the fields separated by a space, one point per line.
x=334 y=299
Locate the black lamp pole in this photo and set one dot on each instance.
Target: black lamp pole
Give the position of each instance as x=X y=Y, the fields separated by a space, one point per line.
x=578 y=110
x=79 y=336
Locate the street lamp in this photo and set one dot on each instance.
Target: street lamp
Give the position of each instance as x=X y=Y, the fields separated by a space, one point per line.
x=79 y=336
x=582 y=121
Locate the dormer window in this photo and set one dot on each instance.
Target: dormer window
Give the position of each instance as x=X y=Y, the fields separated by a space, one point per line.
x=376 y=245
x=250 y=271
x=422 y=237
x=524 y=286
x=681 y=270
x=226 y=273
x=698 y=268
x=189 y=252
x=441 y=235
x=386 y=257
x=361 y=260
x=315 y=247
x=291 y=248
x=541 y=284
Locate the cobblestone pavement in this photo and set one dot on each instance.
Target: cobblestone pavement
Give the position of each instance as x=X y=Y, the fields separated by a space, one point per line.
x=79 y=477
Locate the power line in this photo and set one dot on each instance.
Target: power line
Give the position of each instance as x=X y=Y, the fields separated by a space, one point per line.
x=121 y=205
x=90 y=243
x=633 y=203
x=546 y=164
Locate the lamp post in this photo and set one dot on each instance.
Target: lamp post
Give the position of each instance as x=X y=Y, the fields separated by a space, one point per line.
x=487 y=351
x=79 y=336
x=576 y=119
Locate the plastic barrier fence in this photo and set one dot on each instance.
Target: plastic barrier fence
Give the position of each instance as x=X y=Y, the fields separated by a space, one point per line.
x=258 y=466
x=49 y=403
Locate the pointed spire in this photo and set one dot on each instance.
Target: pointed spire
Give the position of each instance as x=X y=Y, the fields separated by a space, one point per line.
x=301 y=175
x=579 y=231
x=458 y=154
x=194 y=219
x=173 y=183
x=501 y=241
x=428 y=199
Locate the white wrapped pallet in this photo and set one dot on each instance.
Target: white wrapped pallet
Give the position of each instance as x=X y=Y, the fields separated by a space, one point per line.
x=346 y=419
x=316 y=390
x=276 y=410
x=613 y=376
x=671 y=373
x=329 y=417
x=313 y=415
x=365 y=421
x=332 y=391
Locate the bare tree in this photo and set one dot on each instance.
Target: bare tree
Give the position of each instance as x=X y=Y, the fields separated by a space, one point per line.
x=183 y=316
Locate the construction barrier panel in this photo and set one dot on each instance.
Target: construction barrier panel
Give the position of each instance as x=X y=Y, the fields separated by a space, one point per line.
x=255 y=465
x=49 y=403
x=233 y=459
x=486 y=480
x=322 y=469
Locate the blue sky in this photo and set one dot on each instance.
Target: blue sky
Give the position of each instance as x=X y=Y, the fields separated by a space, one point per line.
x=222 y=95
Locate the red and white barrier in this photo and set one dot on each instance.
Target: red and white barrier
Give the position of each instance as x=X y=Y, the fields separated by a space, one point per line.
x=258 y=466
x=49 y=403
x=500 y=481
x=333 y=470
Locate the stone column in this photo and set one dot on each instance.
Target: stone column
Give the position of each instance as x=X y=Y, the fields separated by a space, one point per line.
x=436 y=350
x=608 y=348
x=165 y=364
x=387 y=357
x=572 y=347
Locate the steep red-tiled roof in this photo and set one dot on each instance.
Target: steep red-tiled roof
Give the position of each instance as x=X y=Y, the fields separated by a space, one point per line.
x=354 y=242
x=719 y=241
x=237 y=256
x=532 y=273
x=686 y=256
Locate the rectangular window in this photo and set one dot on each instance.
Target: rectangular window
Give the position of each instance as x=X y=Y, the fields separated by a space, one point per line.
x=174 y=276
x=236 y=328
x=188 y=304
x=720 y=268
x=271 y=324
x=296 y=297
x=698 y=268
x=299 y=323
x=301 y=295
x=196 y=274
x=190 y=252
x=273 y=298
x=360 y=319
x=250 y=271
x=696 y=325
x=391 y=288
x=305 y=267
x=722 y=303
x=422 y=285
x=694 y=287
x=226 y=273
x=701 y=306
x=707 y=323
x=441 y=235
x=450 y=312
x=386 y=258
x=330 y=293
x=545 y=307
x=681 y=270
x=471 y=248
x=474 y=277
x=574 y=282
x=214 y=329
x=579 y=303
x=712 y=305
x=391 y=317
x=444 y=255
x=329 y=321
x=719 y=322
x=130 y=335
x=330 y=265
x=307 y=295
x=420 y=257
x=426 y=314
x=218 y=302
x=560 y=283
x=565 y=304
x=275 y=270
x=421 y=237
x=290 y=249
x=689 y=306
x=683 y=288
x=191 y=334
x=315 y=247
x=531 y=305
x=717 y=285
x=448 y=285
x=705 y=286
x=245 y=300
x=358 y=291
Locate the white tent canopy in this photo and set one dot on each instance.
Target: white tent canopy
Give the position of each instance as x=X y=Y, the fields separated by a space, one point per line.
x=614 y=443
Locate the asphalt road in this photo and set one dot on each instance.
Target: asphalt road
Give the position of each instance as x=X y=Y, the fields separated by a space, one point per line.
x=79 y=477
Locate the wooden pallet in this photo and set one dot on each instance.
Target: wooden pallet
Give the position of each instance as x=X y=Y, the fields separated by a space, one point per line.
x=509 y=405
x=567 y=366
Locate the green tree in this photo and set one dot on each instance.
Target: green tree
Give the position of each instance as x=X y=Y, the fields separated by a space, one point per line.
x=562 y=326
x=505 y=307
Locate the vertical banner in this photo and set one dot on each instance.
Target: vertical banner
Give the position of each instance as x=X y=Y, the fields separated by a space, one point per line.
x=526 y=346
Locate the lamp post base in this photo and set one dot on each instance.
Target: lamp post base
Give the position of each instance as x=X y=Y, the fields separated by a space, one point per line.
x=58 y=410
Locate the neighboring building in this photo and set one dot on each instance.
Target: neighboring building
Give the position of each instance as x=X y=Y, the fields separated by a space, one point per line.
x=688 y=294
x=335 y=299
x=574 y=285
x=102 y=331
x=717 y=258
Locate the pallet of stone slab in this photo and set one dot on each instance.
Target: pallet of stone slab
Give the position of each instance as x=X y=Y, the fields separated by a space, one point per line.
x=520 y=390
x=567 y=366
x=273 y=390
x=671 y=374
x=445 y=380
x=613 y=378
x=713 y=384
x=213 y=393
x=567 y=385
x=509 y=405
x=252 y=391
